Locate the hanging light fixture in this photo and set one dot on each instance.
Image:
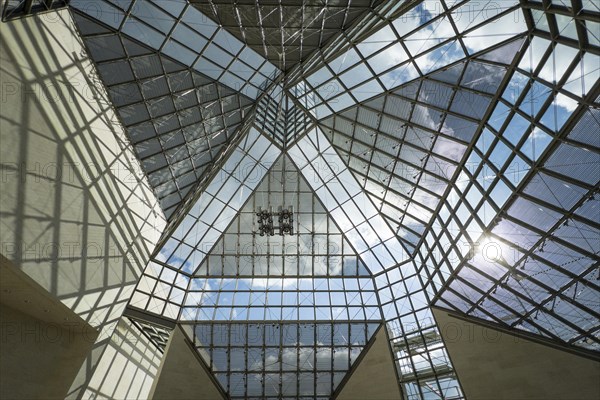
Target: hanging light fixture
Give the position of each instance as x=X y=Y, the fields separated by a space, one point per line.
x=285 y=219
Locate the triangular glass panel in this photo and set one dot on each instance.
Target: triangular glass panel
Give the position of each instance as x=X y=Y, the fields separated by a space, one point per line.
x=176 y=118
x=505 y=53
x=316 y=247
x=285 y=34
x=273 y=274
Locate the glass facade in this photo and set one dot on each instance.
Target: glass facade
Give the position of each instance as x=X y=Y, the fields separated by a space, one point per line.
x=281 y=360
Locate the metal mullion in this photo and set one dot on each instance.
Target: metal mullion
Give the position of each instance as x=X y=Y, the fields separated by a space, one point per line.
x=395 y=159
x=541 y=161
x=5 y=15
x=152 y=119
x=472 y=144
x=459 y=35
x=565 y=214
x=448 y=111
x=582 y=145
x=97 y=86
x=487 y=295
x=401 y=141
x=429 y=224
x=262 y=30
x=149 y=316
x=558 y=9
x=388 y=224
x=487 y=22
x=415 y=373
x=497 y=320
x=208 y=175
x=27 y=7
x=399 y=209
x=297 y=358
x=421 y=26
x=468 y=58
x=353 y=139
x=591 y=334
x=209 y=41
x=176 y=190
x=540 y=307
x=556 y=87
x=302 y=17
x=281 y=37
x=568 y=178
x=427 y=350
x=534 y=306
x=143 y=331
x=556 y=293
x=128 y=16
x=408 y=122
x=404 y=196
x=429 y=275
x=325 y=53
x=567 y=41
x=477 y=206
x=169 y=96
x=168 y=35
x=530 y=253
x=95 y=73
x=375 y=77
x=336 y=77
x=582 y=34
x=413 y=57
x=238 y=20
x=559 y=293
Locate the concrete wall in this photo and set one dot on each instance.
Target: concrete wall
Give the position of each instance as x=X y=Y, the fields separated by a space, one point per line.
x=182 y=375
x=39 y=359
x=76 y=214
x=374 y=377
x=42 y=342
x=493 y=364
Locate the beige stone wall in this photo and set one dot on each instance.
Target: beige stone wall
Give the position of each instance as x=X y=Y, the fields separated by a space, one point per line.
x=42 y=342
x=492 y=364
x=374 y=377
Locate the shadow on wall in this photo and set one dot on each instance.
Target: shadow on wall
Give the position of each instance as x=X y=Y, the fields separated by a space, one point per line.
x=129 y=365
x=76 y=213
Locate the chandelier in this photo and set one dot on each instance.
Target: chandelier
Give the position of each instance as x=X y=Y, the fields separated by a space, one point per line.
x=285 y=219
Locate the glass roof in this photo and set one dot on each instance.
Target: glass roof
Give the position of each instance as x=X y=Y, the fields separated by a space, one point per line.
x=281 y=360
x=277 y=115
x=439 y=152
x=431 y=36
x=285 y=33
x=178 y=30
x=405 y=146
